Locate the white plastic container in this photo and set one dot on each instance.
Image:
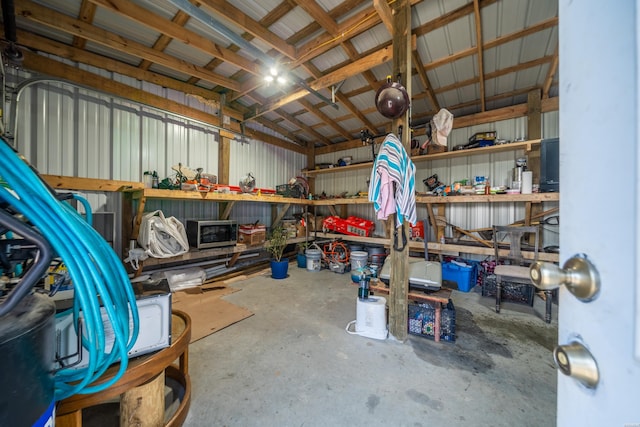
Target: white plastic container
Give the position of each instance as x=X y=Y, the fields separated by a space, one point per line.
x=358 y=259
x=313 y=259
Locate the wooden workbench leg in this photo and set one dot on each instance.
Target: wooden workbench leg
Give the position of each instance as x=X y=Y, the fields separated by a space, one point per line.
x=143 y=406
x=73 y=419
x=436 y=327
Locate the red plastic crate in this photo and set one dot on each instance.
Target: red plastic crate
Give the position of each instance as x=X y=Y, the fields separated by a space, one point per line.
x=352 y=226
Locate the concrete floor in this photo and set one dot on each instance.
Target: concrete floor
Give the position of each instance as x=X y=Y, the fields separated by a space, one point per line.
x=293 y=364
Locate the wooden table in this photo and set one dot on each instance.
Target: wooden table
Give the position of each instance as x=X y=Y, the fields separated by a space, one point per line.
x=439 y=297
x=142 y=384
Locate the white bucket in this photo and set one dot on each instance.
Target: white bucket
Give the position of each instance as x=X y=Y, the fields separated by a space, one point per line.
x=371 y=318
x=313 y=259
x=358 y=259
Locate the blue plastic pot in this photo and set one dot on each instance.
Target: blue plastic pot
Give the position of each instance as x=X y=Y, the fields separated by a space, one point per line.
x=279 y=269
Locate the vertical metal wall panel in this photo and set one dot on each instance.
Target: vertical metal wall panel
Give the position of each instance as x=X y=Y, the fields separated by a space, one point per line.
x=270 y=166
x=551 y=124
x=154 y=146
x=126 y=142
x=94 y=154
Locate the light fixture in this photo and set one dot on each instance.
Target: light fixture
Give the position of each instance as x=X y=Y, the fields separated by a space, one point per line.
x=276 y=76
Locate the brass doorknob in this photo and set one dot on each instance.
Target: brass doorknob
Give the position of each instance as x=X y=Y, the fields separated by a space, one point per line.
x=576 y=361
x=578 y=274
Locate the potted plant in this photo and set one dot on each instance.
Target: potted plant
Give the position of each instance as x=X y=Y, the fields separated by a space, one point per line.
x=302 y=256
x=275 y=245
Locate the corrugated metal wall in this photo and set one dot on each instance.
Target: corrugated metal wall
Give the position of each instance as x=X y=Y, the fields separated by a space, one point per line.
x=470 y=216
x=65 y=130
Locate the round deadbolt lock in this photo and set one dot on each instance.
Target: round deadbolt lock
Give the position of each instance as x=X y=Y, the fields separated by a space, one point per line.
x=575 y=361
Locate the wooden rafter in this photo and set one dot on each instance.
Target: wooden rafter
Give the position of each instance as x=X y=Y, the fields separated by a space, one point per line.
x=163 y=41
x=235 y=15
x=175 y=30
x=320 y=16
x=312 y=109
x=384 y=11
x=45 y=16
x=425 y=80
x=298 y=52
x=333 y=78
x=38 y=43
x=87 y=12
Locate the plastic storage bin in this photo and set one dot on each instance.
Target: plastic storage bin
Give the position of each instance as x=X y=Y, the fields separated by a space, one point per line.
x=464 y=276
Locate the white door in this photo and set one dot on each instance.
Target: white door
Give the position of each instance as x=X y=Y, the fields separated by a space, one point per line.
x=599 y=180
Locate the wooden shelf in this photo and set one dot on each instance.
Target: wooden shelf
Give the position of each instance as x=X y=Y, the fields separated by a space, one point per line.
x=524 y=145
x=199 y=254
x=490 y=198
x=473 y=198
x=434 y=247
x=155 y=193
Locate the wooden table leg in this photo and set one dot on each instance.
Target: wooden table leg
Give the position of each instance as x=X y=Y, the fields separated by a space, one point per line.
x=72 y=419
x=436 y=328
x=143 y=406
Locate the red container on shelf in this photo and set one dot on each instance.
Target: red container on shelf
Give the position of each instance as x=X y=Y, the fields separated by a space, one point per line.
x=352 y=226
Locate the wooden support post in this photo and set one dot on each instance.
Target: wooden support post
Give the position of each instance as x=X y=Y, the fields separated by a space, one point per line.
x=534 y=115
x=143 y=406
x=224 y=157
x=534 y=131
x=399 y=277
x=139 y=213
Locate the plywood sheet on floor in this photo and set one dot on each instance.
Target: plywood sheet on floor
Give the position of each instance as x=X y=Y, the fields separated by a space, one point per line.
x=209 y=312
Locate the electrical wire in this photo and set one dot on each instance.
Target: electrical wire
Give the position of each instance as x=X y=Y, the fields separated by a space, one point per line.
x=101 y=285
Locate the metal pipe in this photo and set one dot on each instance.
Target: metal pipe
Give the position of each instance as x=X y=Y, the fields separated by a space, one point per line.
x=32 y=81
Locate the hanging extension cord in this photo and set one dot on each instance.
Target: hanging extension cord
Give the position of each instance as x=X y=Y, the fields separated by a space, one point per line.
x=97 y=273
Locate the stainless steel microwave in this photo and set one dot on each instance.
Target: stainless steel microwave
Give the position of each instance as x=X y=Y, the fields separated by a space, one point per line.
x=203 y=234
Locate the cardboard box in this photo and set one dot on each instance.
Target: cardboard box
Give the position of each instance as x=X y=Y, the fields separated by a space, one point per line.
x=252 y=234
x=435 y=148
